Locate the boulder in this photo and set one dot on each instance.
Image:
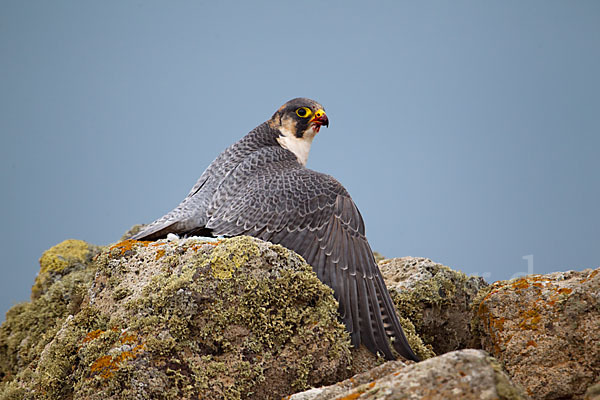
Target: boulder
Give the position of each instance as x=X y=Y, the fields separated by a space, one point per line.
x=241 y=318
x=435 y=298
x=545 y=329
x=235 y=318
x=463 y=374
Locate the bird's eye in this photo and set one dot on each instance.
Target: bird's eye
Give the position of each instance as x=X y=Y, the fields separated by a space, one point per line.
x=303 y=112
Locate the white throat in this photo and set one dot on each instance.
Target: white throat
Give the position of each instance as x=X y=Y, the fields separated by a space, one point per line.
x=299 y=146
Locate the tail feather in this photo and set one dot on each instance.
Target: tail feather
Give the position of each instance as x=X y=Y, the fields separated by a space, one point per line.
x=391 y=322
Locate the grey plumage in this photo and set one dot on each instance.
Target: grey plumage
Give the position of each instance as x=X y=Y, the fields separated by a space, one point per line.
x=260 y=187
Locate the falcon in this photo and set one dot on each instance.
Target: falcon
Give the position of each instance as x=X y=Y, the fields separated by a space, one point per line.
x=260 y=187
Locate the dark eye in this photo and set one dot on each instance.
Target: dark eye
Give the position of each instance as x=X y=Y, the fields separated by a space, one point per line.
x=303 y=112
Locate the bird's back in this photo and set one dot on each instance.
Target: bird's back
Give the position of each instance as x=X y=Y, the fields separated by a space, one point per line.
x=190 y=216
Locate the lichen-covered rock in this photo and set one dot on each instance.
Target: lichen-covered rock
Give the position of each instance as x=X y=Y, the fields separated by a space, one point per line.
x=66 y=271
x=237 y=318
x=60 y=260
x=435 y=298
x=546 y=331
x=464 y=374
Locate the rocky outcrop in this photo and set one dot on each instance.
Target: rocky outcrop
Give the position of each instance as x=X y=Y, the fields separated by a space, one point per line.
x=545 y=329
x=435 y=298
x=464 y=374
x=58 y=291
x=245 y=319
x=238 y=318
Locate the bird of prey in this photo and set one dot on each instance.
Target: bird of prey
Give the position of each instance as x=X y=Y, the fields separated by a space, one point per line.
x=260 y=187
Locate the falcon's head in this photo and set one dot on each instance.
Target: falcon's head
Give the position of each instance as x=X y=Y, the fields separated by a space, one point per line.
x=298 y=121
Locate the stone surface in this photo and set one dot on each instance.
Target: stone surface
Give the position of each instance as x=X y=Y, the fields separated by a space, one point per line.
x=435 y=298
x=244 y=319
x=593 y=392
x=546 y=330
x=238 y=318
x=464 y=374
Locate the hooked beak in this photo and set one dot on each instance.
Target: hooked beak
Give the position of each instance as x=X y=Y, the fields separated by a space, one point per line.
x=320 y=118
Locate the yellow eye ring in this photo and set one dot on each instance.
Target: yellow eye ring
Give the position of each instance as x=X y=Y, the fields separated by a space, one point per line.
x=304 y=112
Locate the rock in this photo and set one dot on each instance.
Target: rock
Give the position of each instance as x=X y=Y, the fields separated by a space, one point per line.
x=545 y=329
x=593 y=392
x=464 y=374
x=132 y=231
x=245 y=319
x=237 y=318
x=60 y=260
x=435 y=298
x=58 y=291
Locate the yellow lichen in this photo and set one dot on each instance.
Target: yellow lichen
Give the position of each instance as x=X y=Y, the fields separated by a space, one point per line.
x=225 y=260
x=64 y=254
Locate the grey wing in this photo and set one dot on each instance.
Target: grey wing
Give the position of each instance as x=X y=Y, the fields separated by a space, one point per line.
x=312 y=214
x=188 y=216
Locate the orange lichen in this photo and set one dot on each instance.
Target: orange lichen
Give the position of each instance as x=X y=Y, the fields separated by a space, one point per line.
x=591 y=275
x=531 y=343
x=160 y=254
x=555 y=297
x=196 y=247
x=128 y=245
x=127 y=338
x=92 y=335
x=521 y=284
x=370 y=385
x=351 y=396
x=106 y=366
x=495 y=328
x=531 y=319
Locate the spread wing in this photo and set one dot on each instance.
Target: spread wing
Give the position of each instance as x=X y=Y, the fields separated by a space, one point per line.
x=272 y=197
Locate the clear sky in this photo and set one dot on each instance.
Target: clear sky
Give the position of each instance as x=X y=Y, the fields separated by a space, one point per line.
x=466 y=132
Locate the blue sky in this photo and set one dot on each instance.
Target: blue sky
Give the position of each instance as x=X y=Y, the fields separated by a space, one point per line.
x=466 y=132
